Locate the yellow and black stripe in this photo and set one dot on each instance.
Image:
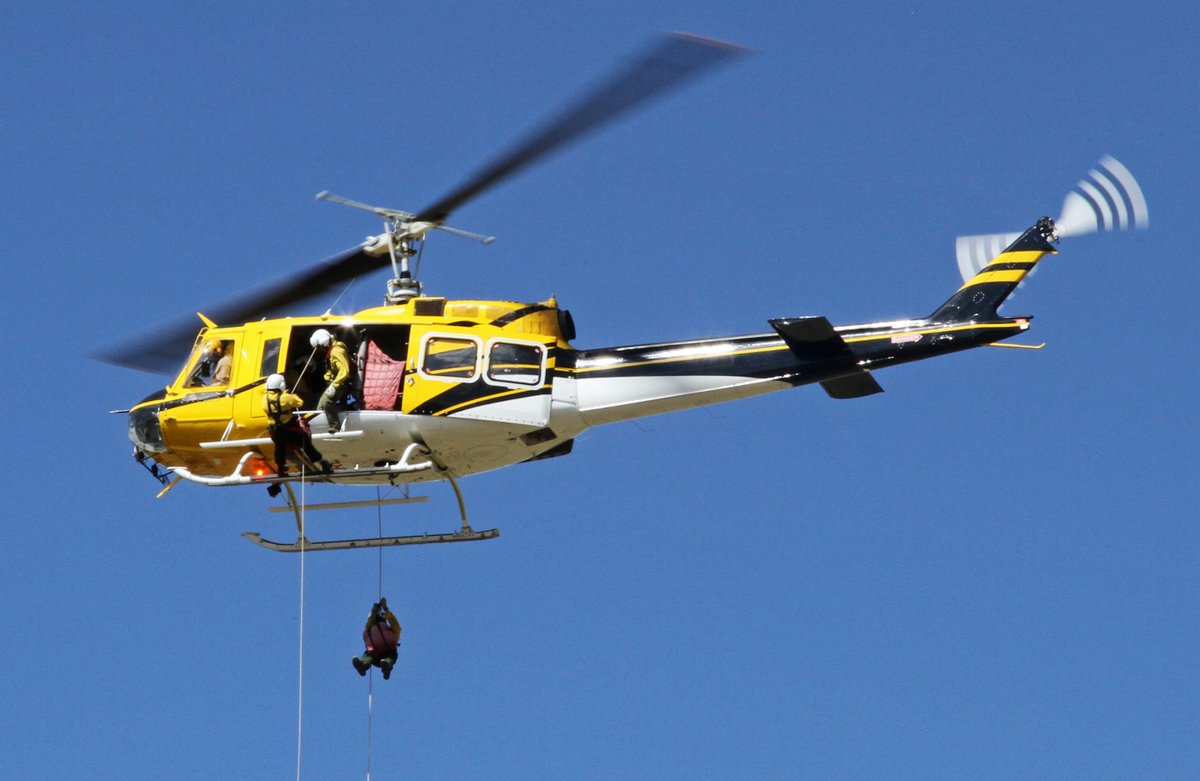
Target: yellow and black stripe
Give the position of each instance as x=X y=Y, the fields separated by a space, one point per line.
x=983 y=293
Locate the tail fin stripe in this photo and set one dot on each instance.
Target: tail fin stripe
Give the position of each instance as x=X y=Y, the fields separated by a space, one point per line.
x=1007 y=275
x=982 y=294
x=1006 y=266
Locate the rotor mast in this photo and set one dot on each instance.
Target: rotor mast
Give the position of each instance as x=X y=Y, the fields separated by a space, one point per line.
x=403 y=237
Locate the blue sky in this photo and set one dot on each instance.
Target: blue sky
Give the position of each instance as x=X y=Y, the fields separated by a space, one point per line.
x=988 y=571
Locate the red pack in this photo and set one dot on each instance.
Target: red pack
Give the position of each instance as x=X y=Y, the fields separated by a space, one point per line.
x=381 y=379
x=379 y=640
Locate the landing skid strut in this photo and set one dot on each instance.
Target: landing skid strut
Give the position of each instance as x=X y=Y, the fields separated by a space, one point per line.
x=302 y=543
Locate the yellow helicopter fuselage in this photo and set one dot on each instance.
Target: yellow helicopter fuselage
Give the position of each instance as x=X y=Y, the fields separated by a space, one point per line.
x=472 y=379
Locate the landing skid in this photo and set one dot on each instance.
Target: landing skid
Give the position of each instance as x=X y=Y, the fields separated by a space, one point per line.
x=302 y=543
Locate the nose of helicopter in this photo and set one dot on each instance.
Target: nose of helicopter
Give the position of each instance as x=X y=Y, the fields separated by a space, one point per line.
x=144 y=429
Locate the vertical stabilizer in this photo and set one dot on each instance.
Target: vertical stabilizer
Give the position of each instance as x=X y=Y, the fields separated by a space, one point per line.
x=982 y=295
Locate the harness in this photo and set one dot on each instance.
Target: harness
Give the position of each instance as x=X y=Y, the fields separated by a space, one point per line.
x=275 y=412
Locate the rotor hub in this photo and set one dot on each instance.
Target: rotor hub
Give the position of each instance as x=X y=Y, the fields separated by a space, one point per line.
x=402 y=289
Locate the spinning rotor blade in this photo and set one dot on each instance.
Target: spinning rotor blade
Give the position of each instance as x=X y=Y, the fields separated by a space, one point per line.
x=164 y=349
x=668 y=64
x=1107 y=199
x=671 y=62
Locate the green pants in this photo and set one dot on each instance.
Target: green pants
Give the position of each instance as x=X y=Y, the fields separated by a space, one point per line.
x=330 y=401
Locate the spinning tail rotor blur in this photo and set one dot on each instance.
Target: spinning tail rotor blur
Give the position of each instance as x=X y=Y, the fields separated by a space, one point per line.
x=1107 y=199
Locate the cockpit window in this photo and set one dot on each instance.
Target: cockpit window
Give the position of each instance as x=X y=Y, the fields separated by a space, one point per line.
x=214 y=366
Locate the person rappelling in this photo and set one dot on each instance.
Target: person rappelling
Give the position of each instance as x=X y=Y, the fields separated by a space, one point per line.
x=288 y=430
x=381 y=636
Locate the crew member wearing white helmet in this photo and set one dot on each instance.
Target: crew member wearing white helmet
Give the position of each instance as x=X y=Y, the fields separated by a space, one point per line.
x=337 y=374
x=288 y=430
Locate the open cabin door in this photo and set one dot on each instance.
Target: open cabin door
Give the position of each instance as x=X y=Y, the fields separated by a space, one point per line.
x=479 y=374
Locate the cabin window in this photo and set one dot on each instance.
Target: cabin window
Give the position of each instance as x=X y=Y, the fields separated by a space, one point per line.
x=515 y=363
x=448 y=358
x=270 y=357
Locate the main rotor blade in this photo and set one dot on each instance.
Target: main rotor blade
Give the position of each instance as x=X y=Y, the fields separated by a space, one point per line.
x=668 y=64
x=165 y=348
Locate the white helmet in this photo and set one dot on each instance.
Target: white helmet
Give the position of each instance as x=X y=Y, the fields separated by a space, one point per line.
x=320 y=338
x=276 y=382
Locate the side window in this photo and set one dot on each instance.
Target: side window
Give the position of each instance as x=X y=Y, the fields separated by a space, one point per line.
x=448 y=358
x=270 y=357
x=518 y=364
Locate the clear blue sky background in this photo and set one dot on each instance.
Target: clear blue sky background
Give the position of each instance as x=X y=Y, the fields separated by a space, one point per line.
x=988 y=571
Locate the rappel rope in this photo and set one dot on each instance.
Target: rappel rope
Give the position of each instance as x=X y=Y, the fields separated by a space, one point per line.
x=371 y=680
x=300 y=685
x=300 y=376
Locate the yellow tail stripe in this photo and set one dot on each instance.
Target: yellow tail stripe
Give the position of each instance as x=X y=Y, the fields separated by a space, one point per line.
x=1023 y=256
x=1008 y=275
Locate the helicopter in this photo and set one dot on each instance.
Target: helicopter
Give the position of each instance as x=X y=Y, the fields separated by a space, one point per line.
x=446 y=388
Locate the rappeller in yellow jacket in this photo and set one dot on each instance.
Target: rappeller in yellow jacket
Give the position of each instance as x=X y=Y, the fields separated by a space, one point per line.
x=337 y=374
x=288 y=431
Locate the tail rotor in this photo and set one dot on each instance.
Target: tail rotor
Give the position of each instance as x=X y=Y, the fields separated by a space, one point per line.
x=1107 y=199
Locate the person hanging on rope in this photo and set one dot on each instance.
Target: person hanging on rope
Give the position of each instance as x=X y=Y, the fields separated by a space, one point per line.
x=337 y=374
x=382 y=639
x=288 y=431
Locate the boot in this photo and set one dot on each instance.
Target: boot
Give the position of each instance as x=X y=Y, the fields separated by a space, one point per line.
x=360 y=665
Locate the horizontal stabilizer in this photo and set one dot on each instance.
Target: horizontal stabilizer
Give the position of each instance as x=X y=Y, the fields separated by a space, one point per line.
x=852 y=386
x=811 y=338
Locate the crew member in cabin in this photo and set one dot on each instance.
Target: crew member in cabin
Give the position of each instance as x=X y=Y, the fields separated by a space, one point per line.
x=381 y=636
x=224 y=362
x=215 y=365
x=337 y=374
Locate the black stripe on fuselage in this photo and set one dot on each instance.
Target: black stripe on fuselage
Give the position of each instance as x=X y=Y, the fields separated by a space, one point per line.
x=517 y=314
x=468 y=395
x=766 y=356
